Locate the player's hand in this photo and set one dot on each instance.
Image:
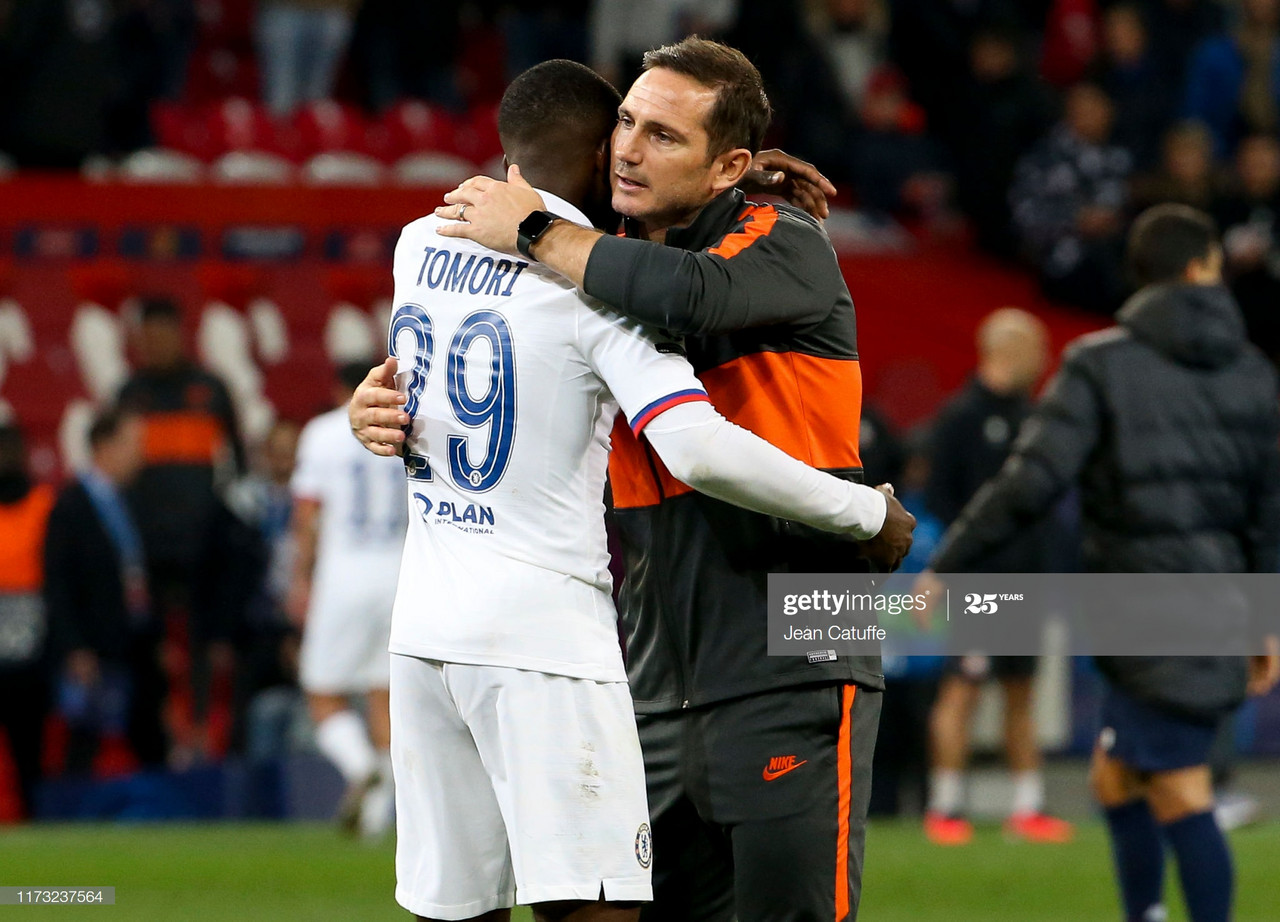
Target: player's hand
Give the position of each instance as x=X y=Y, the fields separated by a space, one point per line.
x=375 y=411
x=489 y=211
x=887 y=549
x=778 y=173
x=1264 y=669
x=927 y=583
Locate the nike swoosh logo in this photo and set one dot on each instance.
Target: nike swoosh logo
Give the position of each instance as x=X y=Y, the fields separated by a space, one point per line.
x=772 y=776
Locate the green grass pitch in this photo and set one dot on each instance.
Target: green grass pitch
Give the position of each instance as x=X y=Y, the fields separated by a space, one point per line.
x=247 y=873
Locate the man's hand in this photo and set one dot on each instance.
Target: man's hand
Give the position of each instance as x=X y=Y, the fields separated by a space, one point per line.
x=776 y=172
x=1264 y=669
x=490 y=211
x=375 y=411
x=887 y=549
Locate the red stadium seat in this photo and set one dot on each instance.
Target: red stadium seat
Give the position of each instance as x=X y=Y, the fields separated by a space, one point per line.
x=327 y=125
x=414 y=127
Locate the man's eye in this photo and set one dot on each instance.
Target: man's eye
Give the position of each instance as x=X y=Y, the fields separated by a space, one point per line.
x=663 y=137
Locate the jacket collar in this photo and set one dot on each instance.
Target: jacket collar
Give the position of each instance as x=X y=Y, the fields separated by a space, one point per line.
x=707 y=226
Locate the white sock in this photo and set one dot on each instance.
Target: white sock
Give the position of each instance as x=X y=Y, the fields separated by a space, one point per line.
x=378 y=812
x=1028 y=792
x=946 y=791
x=343 y=741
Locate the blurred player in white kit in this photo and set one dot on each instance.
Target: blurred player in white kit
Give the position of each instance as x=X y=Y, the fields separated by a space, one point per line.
x=349 y=520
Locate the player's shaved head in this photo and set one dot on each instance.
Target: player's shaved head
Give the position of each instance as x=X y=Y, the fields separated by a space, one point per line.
x=1012 y=349
x=553 y=119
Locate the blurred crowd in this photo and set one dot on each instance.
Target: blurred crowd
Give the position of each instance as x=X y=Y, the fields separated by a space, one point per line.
x=1046 y=124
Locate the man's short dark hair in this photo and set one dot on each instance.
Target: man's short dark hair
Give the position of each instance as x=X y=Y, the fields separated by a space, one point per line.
x=352 y=374
x=1165 y=239
x=554 y=98
x=741 y=113
x=106 y=424
x=159 y=307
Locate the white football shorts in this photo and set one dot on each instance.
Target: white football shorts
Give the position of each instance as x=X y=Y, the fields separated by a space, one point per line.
x=345 y=639
x=514 y=786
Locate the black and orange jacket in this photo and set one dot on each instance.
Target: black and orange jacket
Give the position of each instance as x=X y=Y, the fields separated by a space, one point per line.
x=768 y=324
x=189 y=427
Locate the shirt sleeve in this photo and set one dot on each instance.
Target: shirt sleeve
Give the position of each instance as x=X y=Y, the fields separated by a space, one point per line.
x=646 y=371
x=703 y=449
x=309 y=472
x=779 y=267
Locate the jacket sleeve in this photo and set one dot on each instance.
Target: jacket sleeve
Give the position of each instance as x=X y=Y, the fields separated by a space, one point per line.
x=778 y=268
x=1051 y=450
x=1263 y=538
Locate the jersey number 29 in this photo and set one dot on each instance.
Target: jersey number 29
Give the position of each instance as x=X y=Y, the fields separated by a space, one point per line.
x=495 y=408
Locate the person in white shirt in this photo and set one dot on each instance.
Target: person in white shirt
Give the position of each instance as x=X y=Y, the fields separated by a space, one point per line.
x=518 y=768
x=348 y=518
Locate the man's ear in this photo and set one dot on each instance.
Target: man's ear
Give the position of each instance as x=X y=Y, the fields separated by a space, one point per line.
x=729 y=168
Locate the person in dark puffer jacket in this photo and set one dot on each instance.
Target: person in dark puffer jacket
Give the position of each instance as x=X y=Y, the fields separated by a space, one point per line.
x=1170 y=425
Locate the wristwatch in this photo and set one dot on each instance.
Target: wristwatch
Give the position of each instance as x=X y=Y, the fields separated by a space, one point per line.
x=531 y=229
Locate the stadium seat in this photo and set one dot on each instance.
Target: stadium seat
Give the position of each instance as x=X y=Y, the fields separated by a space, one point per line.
x=432 y=169
x=342 y=168
x=97 y=341
x=239 y=124
x=476 y=137
x=270 y=332
x=185 y=128
x=327 y=125
x=73 y=435
x=252 y=168
x=349 y=336
x=414 y=127
x=224 y=347
x=160 y=165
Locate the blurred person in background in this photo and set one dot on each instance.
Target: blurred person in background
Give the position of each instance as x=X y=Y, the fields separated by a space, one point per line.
x=24 y=625
x=972 y=437
x=1001 y=111
x=1136 y=416
x=191 y=444
x=99 y=603
x=1176 y=27
x=386 y=53
x=542 y=30
x=933 y=41
x=1249 y=215
x=1186 y=174
x=62 y=76
x=623 y=30
x=1233 y=79
x=350 y=513
x=301 y=45
x=1068 y=198
x=267 y=687
x=1130 y=69
x=912 y=662
x=897 y=167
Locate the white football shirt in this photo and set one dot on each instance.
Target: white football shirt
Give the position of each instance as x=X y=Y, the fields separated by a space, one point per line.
x=362 y=510
x=514 y=379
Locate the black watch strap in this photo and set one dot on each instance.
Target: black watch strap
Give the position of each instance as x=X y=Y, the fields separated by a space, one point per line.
x=531 y=229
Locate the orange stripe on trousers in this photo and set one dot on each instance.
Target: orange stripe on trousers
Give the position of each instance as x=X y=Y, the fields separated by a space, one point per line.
x=845 y=772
